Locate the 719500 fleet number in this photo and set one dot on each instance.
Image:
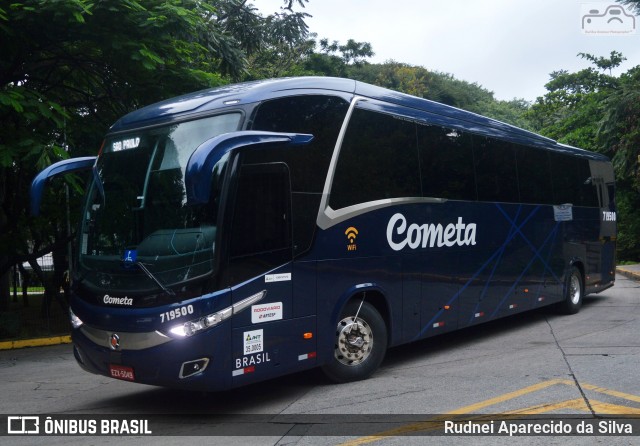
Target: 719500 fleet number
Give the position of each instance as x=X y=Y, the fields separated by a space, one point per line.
x=176 y=313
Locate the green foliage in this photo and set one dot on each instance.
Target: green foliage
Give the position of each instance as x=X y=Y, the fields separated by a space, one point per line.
x=443 y=88
x=634 y=5
x=619 y=135
x=619 y=129
x=628 y=204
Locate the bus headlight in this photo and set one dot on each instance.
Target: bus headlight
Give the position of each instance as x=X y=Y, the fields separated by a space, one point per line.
x=76 y=322
x=192 y=327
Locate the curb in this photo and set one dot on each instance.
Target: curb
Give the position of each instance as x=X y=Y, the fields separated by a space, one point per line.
x=635 y=275
x=40 y=342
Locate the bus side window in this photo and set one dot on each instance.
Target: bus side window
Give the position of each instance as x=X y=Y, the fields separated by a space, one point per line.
x=572 y=181
x=446 y=162
x=496 y=174
x=378 y=160
x=534 y=175
x=260 y=237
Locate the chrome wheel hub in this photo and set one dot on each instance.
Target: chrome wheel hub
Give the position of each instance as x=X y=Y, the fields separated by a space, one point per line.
x=574 y=289
x=354 y=341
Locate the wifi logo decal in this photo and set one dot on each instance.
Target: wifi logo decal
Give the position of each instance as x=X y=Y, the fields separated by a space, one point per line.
x=351 y=234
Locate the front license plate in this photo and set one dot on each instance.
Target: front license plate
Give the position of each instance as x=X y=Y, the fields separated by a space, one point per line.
x=122 y=372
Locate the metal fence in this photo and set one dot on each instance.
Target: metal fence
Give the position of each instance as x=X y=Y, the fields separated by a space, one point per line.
x=35 y=310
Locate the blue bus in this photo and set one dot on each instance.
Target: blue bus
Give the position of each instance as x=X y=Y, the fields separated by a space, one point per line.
x=245 y=232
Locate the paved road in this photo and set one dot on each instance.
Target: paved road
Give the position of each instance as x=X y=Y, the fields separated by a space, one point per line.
x=538 y=362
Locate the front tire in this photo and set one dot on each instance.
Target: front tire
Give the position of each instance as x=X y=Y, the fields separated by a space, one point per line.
x=573 y=292
x=360 y=344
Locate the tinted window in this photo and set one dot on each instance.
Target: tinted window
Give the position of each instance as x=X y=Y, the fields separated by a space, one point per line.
x=446 y=160
x=261 y=217
x=378 y=160
x=572 y=181
x=320 y=116
x=260 y=231
x=534 y=175
x=496 y=174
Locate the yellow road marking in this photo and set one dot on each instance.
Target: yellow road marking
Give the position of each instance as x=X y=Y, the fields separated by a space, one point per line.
x=7 y=345
x=613 y=409
x=576 y=404
x=573 y=404
x=610 y=392
x=436 y=422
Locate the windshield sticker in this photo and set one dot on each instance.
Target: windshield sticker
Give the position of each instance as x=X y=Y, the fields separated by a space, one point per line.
x=131 y=143
x=130 y=256
x=266 y=312
x=253 y=342
x=282 y=277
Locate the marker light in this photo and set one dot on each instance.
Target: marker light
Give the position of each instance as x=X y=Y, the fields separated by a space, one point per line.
x=192 y=327
x=76 y=322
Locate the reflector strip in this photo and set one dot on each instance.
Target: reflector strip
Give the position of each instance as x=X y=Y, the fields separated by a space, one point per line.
x=307 y=356
x=512 y=306
x=479 y=314
x=243 y=371
x=438 y=325
x=540 y=299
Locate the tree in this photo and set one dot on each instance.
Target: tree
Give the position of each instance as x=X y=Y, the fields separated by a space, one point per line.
x=284 y=43
x=634 y=5
x=572 y=109
x=619 y=133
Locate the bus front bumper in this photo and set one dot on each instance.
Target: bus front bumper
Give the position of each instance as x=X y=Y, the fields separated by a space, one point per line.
x=195 y=363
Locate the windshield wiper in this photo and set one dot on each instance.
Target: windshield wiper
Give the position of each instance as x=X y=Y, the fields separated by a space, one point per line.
x=152 y=277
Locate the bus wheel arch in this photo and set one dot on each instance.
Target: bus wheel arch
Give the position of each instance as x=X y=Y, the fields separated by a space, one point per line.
x=360 y=344
x=573 y=290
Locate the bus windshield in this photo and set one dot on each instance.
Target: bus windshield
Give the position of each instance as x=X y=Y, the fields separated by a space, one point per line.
x=138 y=234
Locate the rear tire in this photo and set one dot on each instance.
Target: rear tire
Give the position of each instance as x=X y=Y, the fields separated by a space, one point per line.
x=573 y=292
x=360 y=344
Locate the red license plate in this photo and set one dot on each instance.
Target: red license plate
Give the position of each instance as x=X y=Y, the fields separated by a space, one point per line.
x=122 y=372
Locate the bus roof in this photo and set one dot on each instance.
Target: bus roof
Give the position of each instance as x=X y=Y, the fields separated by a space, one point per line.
x=233 y=95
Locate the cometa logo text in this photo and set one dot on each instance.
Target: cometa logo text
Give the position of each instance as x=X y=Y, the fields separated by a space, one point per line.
x=429 y=235
x=117 y=300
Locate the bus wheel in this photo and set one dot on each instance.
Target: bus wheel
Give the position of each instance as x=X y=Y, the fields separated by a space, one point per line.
x=360 y=344
x=573 y=293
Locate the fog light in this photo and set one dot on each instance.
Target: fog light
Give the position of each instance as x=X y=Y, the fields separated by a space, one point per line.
x=194 y=367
